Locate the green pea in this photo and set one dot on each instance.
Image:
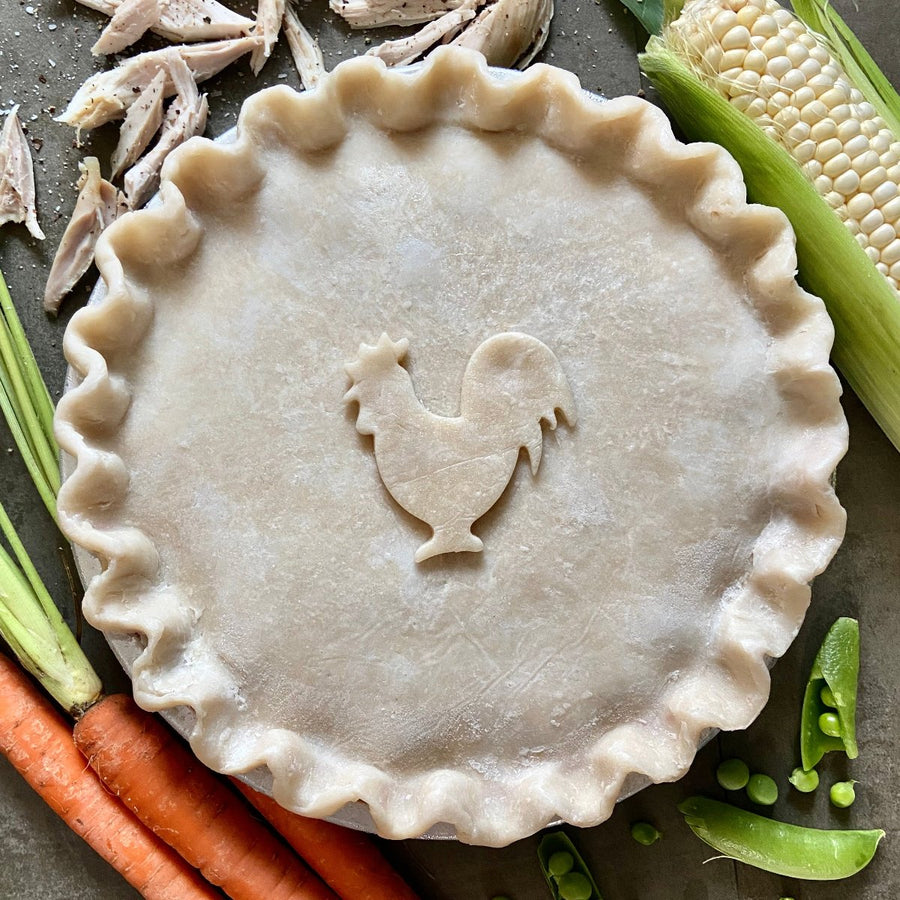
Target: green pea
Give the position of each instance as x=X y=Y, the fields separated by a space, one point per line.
x=762 y=789
x=805 y=782
x=733 y=774
x=830 y=724
x=826 y=695
x=842 y=794
x=645 y=833
x=574 y=886
x=560 y=863
x=790 y=850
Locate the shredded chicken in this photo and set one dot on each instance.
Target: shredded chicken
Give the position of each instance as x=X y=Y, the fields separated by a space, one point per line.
x=304 y=48
x=378 y=13
x=403 y=51
x=141 y=123
x=96 y=207
x=175 y=20
x=269 y=14
x=129 y=22
x=509 y=32
x=17 y=194
x=108 y=95
x=185 y=118
x=107 y=7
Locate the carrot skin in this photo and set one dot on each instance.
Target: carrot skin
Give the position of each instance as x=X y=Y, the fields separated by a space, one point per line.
x=346 y=860
x=143 y=763
x=38 y=742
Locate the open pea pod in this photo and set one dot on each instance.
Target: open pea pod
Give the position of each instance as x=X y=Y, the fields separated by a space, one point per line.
x=567 y=874
x=836 y=666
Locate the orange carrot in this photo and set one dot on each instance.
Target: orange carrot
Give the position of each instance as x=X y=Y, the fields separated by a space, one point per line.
x=347 y=860
x=161 y=781
x=38 y=742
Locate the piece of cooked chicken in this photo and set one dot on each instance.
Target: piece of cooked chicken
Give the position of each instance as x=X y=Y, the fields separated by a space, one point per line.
x=17 y=195
x=142 y=121
x=269 y=14
x=175 y=20
x=304 y=48
x=509 y=32
x=403 y=51
x=506 y=32
x=108 y=95
x=185 y=117
x=449 y=471
x=381 y=13
x=96 y=207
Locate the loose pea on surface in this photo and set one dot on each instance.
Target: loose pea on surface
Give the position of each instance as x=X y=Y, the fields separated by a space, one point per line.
x=762 y=789
x=645 y=833
x=842 y=794
x=733 y=774
x=803 y=781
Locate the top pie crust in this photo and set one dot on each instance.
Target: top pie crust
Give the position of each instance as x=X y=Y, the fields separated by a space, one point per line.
x=627 y=596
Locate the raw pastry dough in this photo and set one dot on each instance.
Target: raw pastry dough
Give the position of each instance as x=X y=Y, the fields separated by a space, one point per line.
x=630 y=591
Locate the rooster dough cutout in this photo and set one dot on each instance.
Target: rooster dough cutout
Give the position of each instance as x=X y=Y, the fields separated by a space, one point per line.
x=449 y=471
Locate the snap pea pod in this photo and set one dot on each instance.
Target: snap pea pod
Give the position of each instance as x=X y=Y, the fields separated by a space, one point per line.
x=835 y=672
x=791 y=850
x=567 y=874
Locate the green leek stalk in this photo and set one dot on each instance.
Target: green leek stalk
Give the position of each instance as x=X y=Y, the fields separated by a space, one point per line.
x=864 y=307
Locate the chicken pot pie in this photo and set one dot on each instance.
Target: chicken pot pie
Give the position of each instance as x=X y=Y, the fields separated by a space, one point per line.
x=343 y=336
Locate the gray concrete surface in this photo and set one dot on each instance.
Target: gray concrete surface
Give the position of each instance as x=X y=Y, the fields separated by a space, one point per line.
x=44 y=56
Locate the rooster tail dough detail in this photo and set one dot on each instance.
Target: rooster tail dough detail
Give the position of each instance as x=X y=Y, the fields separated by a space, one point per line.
x=449 y=471
x=516 y=375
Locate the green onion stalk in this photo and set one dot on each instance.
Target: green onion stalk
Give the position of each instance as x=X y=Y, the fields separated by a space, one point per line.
x=30 y=621
x=26 y=403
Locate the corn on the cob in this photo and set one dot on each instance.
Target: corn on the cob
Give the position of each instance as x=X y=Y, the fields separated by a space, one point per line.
x=691 y=79
x=771 y=67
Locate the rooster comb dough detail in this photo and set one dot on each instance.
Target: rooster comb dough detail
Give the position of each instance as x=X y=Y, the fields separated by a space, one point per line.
x=449 y=471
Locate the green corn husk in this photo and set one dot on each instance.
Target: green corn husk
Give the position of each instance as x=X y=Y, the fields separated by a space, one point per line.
x=864 y=307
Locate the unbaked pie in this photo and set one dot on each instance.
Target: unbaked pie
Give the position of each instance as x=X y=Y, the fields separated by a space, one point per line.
x=305 y=415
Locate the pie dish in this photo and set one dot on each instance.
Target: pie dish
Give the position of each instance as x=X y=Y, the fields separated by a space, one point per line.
x=329 y=345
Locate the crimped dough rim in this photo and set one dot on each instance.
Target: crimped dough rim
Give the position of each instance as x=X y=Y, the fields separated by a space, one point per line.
x=756 y=624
